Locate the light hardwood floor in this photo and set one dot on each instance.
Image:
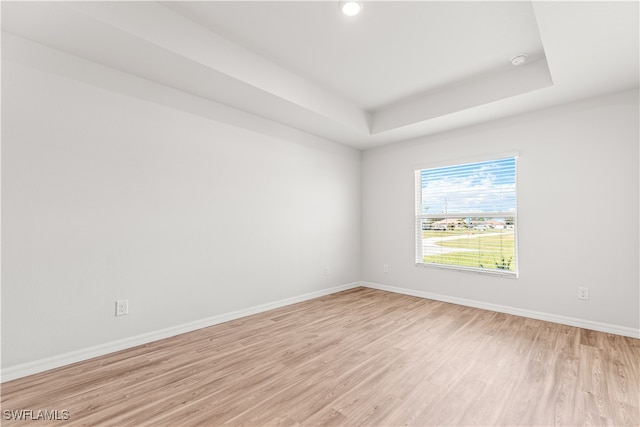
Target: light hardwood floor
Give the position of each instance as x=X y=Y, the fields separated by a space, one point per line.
x=359 y=357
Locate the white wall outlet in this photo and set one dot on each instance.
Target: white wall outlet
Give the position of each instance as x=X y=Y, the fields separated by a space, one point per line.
x=583 y=293
x=122 y=307
x=385 y=268
x=327 y=270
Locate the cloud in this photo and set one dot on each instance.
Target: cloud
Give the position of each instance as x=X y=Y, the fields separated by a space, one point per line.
x=481 y=187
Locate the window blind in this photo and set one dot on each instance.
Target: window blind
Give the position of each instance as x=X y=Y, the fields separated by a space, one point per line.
x=466 y=216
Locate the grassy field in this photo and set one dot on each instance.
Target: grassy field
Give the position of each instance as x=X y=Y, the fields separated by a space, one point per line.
x=488 y=250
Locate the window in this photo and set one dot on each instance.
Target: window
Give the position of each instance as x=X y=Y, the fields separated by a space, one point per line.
x=466 y=216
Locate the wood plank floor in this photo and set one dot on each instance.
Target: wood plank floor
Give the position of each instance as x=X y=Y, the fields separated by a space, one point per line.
x=359 y=357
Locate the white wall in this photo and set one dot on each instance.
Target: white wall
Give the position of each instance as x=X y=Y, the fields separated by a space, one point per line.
x=106 y=196
x=577 y=211
x=113 y=187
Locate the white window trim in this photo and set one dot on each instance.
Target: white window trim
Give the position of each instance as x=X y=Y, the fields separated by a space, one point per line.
x=419 y=216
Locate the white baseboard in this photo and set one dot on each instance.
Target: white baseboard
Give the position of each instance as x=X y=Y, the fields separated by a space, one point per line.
x=554 y=318
x=37 y=366
x=23 y=370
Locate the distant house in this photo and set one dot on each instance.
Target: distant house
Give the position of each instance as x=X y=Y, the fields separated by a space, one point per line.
x=465 y=223
x=498 y=225
x=490 y=224
x=447 y=224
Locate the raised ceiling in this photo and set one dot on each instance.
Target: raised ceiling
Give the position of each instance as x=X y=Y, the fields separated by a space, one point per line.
x=392 y=51
x=398 y=70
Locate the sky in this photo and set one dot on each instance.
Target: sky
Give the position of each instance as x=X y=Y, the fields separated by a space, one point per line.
x=487 y=186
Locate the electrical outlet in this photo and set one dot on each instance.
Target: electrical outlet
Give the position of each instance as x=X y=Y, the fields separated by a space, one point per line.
x=327 y=271
x=122 y=307
x=583 y=293
x=385 y=268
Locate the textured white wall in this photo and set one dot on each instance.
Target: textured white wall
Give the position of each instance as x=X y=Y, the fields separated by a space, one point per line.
x=108 y=197
x=577 y=211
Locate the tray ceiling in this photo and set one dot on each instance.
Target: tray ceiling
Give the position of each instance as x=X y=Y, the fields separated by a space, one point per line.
x=398 y=70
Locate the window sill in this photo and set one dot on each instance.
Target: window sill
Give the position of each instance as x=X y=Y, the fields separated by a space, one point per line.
x=501 y=273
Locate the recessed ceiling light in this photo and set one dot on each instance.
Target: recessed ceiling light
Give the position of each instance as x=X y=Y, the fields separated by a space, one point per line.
x=519 y=59
x=351 y=8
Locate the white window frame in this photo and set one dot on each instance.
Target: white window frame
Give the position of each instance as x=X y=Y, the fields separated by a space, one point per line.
x=419 y=216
